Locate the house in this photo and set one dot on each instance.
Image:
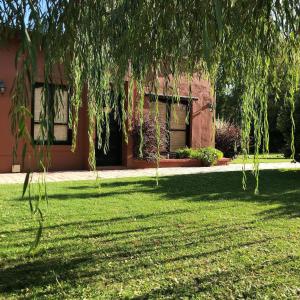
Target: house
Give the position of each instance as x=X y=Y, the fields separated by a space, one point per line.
x=198 y=133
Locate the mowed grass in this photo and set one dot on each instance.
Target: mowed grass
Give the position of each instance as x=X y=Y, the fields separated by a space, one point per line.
x=193 y=236
x=262 y=158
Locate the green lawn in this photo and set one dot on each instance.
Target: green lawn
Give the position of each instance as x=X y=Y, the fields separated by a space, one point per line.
x=263 y=158
x=194 y=236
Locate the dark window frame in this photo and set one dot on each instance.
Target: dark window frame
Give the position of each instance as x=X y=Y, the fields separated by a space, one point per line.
x=168 y=100
x=52 y=87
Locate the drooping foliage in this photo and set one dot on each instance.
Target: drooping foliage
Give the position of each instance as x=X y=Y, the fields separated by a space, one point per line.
x=148 y=133
x=284 y=125
x=99 y=44
x=227 y=138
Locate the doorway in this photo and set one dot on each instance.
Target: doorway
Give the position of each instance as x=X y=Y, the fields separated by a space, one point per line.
x=113 y=156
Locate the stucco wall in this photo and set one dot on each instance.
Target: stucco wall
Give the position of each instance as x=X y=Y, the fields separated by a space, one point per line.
x=201 y=118
x=201 y=129
x=61 y=156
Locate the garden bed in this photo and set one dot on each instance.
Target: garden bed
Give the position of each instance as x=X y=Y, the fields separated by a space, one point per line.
x=173 y=162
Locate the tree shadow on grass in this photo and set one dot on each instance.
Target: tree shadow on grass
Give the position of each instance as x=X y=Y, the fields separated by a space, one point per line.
x=275 y=187
x=208 y=284
x=110 y=221
x=45 y=272
x=41 y=271
x=152 y=232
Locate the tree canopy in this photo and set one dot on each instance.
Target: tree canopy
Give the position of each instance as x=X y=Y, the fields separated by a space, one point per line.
x=254 y=43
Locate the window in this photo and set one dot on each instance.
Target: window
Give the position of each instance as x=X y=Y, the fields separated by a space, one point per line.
x=52 y=107
x=174 y=116
x=178 y=126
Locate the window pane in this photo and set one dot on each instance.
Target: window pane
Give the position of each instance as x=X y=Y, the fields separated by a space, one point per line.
x=37 y=133
x=162 y=108
x=177 y=140
x=61 y=106
x=38 y=92
x=61 y=133
x=178 y=116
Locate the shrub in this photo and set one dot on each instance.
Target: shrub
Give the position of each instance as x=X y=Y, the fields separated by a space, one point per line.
x=208 y=156
x=187 y=153
x=228 y=138
x=149 y=147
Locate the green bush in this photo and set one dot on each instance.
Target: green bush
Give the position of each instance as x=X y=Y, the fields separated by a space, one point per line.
x=208 y=156
x=184 y=153
x=187 y=153
x=228 y=138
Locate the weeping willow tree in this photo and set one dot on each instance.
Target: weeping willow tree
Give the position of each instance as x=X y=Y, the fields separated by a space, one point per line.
x=100 y=43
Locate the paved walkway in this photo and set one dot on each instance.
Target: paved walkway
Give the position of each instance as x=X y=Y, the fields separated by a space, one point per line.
x=10 y=178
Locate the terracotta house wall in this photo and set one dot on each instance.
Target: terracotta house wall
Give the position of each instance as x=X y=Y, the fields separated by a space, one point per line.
x=61 y=156
x=6 y=139
x=201 y=123
x=201 y=119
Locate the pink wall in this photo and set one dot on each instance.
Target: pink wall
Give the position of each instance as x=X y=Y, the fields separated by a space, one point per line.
x=201 y=134
x=201 y=121
x=62 y=157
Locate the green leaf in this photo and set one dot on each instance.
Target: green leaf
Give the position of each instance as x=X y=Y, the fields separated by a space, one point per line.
x=206 y=44
x=25 y=184
x=37 y=237
x=218 y=11
x=24 y=151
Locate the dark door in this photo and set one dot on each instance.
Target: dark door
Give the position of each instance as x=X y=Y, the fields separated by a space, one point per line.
x=113 y=156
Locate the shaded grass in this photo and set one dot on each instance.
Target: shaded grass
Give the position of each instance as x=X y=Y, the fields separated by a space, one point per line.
x=197 y=236
x=263 y=158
